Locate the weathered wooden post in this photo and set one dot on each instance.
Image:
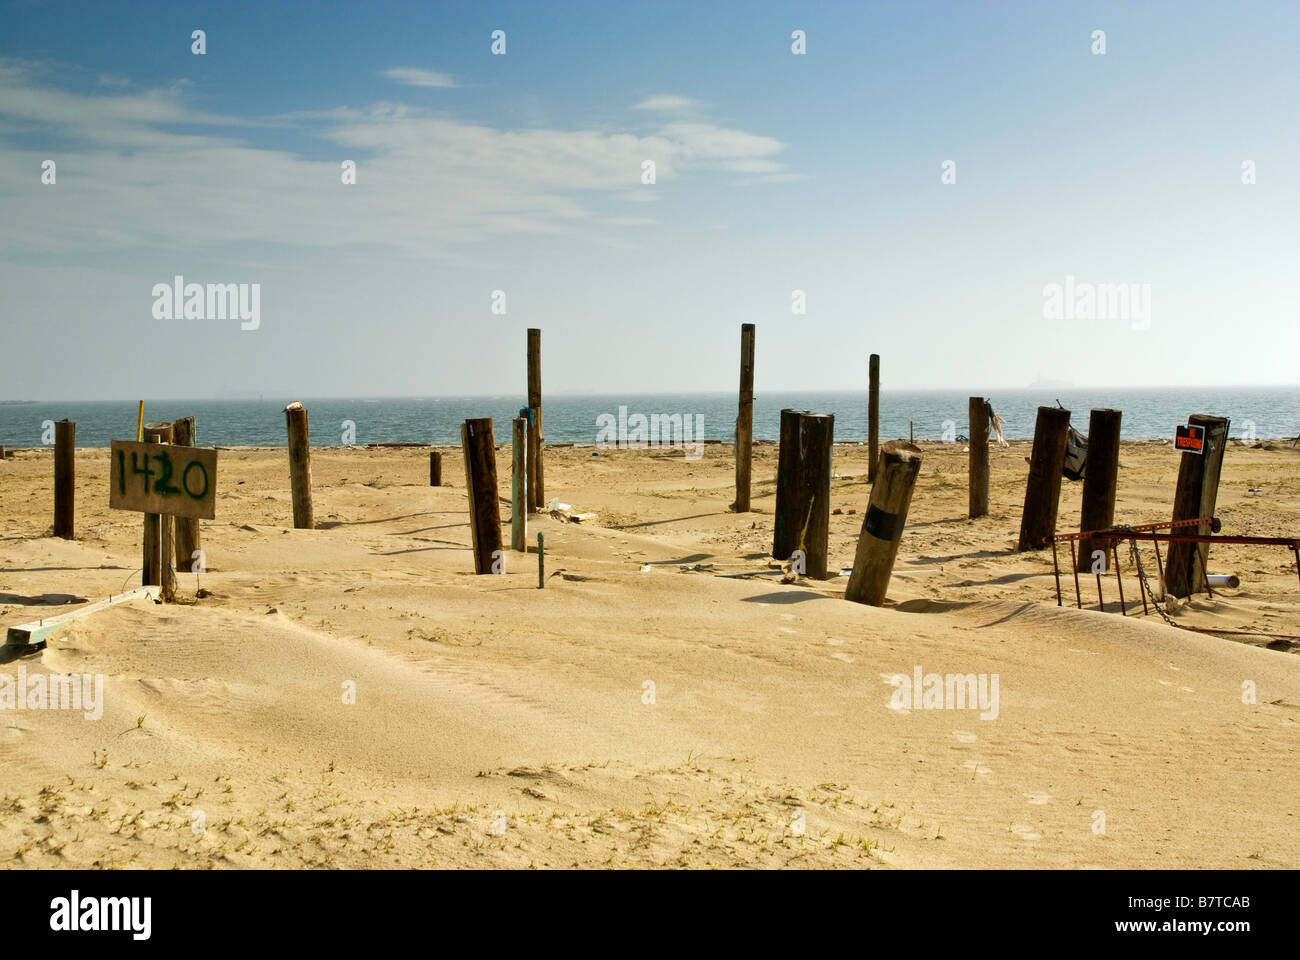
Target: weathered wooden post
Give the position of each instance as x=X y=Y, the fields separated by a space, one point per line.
x=816 y=441
x=295 y=415
x=979 y=457
x=536 y=485
x=1100 y=479
x=882 y=527
x=65 y=479
x=481 y=485
x=745 y=419
x=1195 y=496
x=873 y=415
x=158 y=547
x=787 y=523
x=1043 y=488
x=435 y=469
x=188 y=542
x=519 y=486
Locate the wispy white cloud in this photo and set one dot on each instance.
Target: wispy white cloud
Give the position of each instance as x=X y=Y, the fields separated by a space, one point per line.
x=417 y=77
x=667 y=103
x=138 y=169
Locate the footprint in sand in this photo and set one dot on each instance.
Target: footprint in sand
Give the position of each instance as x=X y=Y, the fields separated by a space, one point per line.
x=1024 y=832
x=842 y=656
x=964 y=736
x=1038 y=799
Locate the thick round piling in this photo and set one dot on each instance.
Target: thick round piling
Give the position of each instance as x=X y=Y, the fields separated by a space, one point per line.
x=1100 y=479
x=519 y=485
x=295 y=415
x=979 y=458
x=536 y=484
x=1043 y=488
x=816 y=441
x=873 y=415
x=65 y=479
x=481 y=485
x=1196 y=496
x=882 y=527
x=188 y=539
x=158 y=542
x=745 y=419
x=789 y=487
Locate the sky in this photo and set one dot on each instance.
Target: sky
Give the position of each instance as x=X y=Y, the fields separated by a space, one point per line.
x=500 y=191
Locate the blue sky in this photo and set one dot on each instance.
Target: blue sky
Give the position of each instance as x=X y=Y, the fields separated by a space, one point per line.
x=775 y=172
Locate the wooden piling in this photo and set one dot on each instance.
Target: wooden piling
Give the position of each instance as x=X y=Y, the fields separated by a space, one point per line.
x=882 y=527
x=519 y=486
x=295 y=415
x=158 y=540
x=816 y=443
x=1100 y=479
x=481 y=485
x=1043 y=488
x=65 y=479
x=435 y=468
x=535 y=484
x=1196 y=496
x=188 y=540
x=873 y=415
x=979 y=457
x=745 y=419
x=787 y=522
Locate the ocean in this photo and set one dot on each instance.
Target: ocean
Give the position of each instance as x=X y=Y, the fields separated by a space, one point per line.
x=1256 y=412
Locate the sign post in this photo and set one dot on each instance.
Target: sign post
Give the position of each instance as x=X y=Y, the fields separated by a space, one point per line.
x=1189 y=438
x=162 y=480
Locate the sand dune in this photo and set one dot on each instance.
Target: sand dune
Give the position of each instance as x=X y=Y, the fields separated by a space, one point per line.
x=627 y=716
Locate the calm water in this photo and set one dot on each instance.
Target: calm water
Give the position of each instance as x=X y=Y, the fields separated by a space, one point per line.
x=1148 y=413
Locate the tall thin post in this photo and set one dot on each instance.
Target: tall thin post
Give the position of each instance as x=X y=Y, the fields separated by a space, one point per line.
x=979 y=457
x=188 y=542
x=1100 y=479
x=158 y=543
x=789 y=487
x=519 y=485
x=481 y=484
x=435 y=468
x=1043 y=488
x=816 y=441
x=536 y=485
x=745 y=419
x=295 y=415
x=65 y=478
x=882 y=527
x=1196 y=496
x=873 y=415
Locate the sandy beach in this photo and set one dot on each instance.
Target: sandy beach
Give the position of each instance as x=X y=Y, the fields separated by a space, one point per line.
x=634 y=713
